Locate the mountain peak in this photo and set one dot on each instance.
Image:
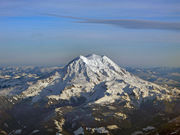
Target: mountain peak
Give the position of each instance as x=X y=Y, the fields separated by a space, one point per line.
x=90 y=57
x=95 y=60
x=92 y=68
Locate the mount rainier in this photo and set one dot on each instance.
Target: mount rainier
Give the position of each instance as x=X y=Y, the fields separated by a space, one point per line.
x=90 y=95
x=96 y=79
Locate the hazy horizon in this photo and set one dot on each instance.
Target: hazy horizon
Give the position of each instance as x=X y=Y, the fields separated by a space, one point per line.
x=70 y=59
x=52 y=32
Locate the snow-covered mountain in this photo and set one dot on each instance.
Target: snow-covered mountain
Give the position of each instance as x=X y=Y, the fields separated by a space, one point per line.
x=95 y=79
x=90 y=95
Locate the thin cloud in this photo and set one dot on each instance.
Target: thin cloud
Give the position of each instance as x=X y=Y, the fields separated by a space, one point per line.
x=63 y=16
x=127 y=23
x=138 y=24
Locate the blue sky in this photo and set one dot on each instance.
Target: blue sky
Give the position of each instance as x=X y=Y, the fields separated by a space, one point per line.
x=52 y=32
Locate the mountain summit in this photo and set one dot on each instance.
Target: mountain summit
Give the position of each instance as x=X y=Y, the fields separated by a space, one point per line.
x=94 y=79
x=92 y=68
